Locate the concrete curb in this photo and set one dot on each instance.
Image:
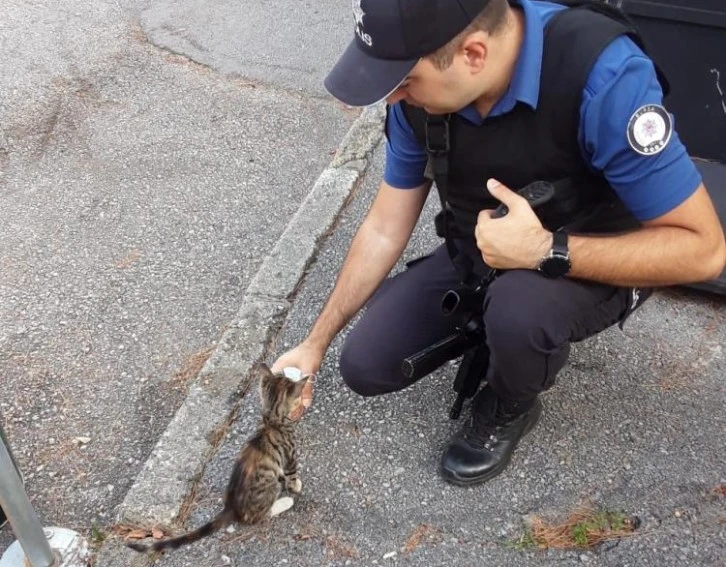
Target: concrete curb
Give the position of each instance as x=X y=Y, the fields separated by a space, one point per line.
x=159 y=492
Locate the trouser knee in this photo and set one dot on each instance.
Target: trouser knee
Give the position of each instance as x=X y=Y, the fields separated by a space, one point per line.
x=366 y=373
x=526 y=351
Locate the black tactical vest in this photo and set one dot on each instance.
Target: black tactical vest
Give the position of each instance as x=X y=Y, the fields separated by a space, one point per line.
x=527 y=145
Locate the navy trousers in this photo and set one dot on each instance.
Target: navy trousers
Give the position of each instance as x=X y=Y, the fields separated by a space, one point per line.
x=530 y=322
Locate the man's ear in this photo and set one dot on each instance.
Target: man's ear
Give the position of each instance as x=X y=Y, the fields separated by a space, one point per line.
x=475 y=50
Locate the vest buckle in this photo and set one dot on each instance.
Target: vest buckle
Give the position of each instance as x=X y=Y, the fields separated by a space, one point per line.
x=437 y=135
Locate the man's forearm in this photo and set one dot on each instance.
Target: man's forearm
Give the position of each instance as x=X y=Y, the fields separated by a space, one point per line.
x=684 y=245
x=651 y=257
x=370 y=259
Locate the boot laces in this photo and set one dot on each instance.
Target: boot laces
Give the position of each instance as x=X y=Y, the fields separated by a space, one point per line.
x=485 y=423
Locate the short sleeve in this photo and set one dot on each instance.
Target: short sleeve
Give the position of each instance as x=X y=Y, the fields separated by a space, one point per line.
x=405 y=156
x=622 y=94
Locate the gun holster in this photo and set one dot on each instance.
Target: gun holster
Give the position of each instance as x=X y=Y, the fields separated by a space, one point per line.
x=465 y=306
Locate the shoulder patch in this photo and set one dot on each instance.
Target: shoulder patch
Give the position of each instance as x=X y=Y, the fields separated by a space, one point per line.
x=650 y=129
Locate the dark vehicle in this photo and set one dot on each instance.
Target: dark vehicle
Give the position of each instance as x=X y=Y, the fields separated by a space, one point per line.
x=687 y=38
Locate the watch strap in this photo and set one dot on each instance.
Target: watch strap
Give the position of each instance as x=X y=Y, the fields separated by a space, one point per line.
x=559 y=243
x=557 y=263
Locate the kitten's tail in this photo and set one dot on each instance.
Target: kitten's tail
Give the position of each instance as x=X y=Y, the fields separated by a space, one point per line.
x=223 y=519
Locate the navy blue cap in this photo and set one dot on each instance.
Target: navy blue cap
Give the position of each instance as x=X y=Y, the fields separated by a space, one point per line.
x=391 y=36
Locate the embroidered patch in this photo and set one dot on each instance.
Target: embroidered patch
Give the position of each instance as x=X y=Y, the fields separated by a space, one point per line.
x=358 y=14
x=649 y=129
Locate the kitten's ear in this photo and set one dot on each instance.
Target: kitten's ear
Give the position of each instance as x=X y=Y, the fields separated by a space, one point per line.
x=265 y=378
x=265 y=373
x=264 y=370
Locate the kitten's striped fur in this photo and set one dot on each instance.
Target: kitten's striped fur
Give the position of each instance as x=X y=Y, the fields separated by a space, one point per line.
x=267 y=463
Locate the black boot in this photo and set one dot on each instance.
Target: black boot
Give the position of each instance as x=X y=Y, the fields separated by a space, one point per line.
x=483 y=448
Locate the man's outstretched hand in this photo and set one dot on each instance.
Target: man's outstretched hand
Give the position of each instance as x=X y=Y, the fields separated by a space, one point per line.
x=515 y=241
x=307 y=359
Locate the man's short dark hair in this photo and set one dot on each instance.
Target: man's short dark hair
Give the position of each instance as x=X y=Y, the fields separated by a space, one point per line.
x=491 y=19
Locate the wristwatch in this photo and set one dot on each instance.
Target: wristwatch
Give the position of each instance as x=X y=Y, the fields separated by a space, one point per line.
x=557 y=263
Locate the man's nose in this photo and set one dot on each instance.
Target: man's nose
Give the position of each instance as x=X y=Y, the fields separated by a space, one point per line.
x=396 y=96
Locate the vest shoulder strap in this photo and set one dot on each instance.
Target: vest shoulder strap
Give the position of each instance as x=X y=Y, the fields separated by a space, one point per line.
x=591 y=25
x=613 y=12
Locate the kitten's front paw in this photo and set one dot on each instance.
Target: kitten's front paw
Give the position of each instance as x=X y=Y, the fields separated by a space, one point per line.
x=296 y=486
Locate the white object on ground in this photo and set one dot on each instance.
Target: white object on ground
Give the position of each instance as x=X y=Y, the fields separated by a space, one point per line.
x=281 y=505
x=69 y=547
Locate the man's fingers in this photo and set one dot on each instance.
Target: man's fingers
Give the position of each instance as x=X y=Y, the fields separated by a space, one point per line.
x=306 y=399
x=307 y=394
x=503 y=193
x=486 y=214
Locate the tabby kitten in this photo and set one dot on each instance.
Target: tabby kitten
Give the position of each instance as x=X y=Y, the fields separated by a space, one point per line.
x=267 y=463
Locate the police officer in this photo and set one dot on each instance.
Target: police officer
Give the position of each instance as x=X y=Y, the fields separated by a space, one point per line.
x=530 y=91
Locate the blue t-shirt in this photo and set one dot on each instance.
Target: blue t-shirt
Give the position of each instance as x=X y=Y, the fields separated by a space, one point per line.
x=622 y=81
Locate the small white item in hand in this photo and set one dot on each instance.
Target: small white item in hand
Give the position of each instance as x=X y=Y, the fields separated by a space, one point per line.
x=292 y=373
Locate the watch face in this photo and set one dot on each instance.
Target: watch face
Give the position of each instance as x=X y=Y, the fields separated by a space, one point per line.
x=555 y=266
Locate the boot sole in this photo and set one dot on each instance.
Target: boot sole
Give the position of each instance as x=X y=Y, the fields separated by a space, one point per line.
x=451 y=478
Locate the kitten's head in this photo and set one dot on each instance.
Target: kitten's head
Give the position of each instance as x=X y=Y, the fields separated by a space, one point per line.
x=280 y=396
